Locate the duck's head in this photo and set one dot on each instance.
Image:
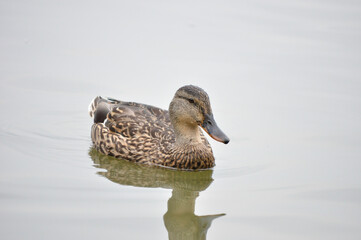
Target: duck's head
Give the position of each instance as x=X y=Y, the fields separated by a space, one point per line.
x=191 y=108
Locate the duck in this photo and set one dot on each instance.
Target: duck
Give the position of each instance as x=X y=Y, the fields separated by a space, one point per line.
x=149 y=135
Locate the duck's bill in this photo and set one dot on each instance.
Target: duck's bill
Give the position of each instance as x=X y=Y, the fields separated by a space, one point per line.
x=210 y=126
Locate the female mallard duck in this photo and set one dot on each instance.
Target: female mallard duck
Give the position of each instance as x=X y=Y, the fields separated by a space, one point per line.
x=149 y=135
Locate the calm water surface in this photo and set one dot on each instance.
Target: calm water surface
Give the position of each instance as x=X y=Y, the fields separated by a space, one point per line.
x=284 y=83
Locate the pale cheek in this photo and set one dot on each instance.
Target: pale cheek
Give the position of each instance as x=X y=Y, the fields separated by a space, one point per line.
x=199 y=118
x=188 y=119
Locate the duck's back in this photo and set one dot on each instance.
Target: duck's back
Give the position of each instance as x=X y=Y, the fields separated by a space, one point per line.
x=100 y=107
x=133 y=131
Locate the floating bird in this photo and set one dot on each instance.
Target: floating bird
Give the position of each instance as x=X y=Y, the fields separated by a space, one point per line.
x=149 y=135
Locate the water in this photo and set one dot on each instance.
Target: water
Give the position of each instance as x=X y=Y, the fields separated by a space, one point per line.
x=284 y=82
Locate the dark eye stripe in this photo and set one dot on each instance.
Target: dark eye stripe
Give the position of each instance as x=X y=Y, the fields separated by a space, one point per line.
x=193 y=102
x=188 y=99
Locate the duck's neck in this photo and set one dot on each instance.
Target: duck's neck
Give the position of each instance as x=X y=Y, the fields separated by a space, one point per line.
x=189 y=151
x=187 y=134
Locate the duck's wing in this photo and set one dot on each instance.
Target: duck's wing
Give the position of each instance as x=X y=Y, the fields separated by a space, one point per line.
x=101 y=106
x=135 y=122
x=132 y=120
x=155 y=113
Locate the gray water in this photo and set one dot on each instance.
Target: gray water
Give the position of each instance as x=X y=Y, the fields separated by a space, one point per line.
x=284 y=79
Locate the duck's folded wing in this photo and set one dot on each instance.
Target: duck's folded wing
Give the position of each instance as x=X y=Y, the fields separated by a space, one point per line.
x=123 y=121
x=131 y=122
x=101 y=106
x=153 y=112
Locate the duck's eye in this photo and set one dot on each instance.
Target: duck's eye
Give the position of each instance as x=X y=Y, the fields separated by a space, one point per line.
x=191 y=101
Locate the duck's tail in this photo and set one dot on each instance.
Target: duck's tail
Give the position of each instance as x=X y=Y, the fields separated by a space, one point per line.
x=93 y=106
x=100 y=107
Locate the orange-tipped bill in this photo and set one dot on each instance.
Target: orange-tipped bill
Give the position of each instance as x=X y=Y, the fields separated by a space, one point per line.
x=210 y=126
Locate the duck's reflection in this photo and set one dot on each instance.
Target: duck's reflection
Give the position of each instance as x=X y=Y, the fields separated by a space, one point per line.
x=180 y=220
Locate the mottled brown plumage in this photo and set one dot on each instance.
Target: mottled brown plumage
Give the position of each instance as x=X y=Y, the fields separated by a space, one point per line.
x=145 y=134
